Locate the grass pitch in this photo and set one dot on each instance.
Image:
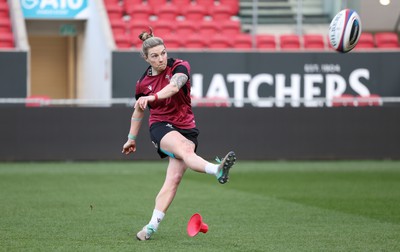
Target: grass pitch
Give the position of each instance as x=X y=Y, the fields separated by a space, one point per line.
x=266 y=206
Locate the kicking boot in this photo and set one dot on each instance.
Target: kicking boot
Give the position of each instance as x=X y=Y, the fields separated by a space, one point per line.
x=146 y=232
x=224 y=167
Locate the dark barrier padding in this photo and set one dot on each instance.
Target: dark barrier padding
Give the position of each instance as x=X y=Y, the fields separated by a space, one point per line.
x=13 y=72
x=254 y=133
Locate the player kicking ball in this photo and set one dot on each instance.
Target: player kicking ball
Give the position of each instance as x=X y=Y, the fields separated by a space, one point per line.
x=164 y=88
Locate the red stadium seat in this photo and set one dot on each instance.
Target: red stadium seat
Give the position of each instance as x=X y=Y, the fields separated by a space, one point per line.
x=162 y=29
x=345 y=100
x=232 y=4
x=139 y=11
x=4 y=10
x=182 y=3
x=136 y=42
x=167 y=12
x=289 y=42
x=314 y=41
x=5 y=25
x=37 y=100
x=118 y=26
x=194 y=12
x=211 y=102
x=138 y=26
x=123 y=40
x=230 y=27
x=366 y=41
x=172 y=41
x=127 y=3
x=206 y=3
x=6 y=40
x=243 y=41
x=219 y=41
x=386 y=40
x=196 y=41
x=266 y=41
x=186 y=27
x=220 y=12
x=209 y=28
x=115 y=11
x=370 y=100
x=156 y=3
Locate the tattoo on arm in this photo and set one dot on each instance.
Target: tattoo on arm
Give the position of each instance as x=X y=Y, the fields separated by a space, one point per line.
x=179 y=79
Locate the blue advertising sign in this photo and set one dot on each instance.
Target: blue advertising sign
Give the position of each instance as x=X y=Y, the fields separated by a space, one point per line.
x=54 y=9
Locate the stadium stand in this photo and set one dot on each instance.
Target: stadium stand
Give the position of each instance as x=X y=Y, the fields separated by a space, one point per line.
x=167 y=12
x=219 y=41
x=209 y=17
x=230 y=27
x=370 y=100
x=266 y=42
x=345 y=100
x=243 y=41
x=221 y=12
x=386 y=40
x=186 y=27
x=6 y=33
x=289 y=42
x=314 y=42
x=196 y=41
x=209 y=28
x=366 y=41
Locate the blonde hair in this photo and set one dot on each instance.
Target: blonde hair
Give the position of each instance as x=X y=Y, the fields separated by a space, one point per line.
x=149 y=41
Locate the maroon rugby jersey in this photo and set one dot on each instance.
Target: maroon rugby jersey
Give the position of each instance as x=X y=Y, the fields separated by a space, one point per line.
x=176 y=109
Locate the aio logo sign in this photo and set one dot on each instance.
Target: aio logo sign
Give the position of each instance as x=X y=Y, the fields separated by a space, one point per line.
x=54 y=4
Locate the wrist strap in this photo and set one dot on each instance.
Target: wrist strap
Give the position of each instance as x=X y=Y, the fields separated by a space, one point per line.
x=156 y=97
x=131 y=137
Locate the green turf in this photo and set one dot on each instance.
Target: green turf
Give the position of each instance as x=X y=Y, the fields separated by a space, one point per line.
x=266 y=206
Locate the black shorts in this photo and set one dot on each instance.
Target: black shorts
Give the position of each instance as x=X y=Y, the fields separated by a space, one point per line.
x=160 y=129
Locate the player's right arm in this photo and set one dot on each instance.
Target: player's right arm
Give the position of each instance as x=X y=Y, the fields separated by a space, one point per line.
x=136 y=122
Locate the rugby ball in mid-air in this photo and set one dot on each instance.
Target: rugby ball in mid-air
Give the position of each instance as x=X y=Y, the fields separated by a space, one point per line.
x=345 y=30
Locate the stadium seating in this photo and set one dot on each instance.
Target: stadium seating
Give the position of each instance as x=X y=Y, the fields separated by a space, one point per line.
x=386 y=40
x=289 y=42
x=206 y=3
x=366 y=41
x=137 y=26
x=194 y=12
x=230 y=27
x=156 y=3
x=208 y=28
x=6 y=32
x=196 y=41
x=266 y=42
x=221 y=12
x=118 y=26
x=345 y=100
x=314 y=41
x=181 y=2
x=139 y=11
x=186 y=27
x=4 y=9
x=370 y=100
x=6 y=40
x=172 y=41
x=114 y=10
x=232 y=4
x=162 y=29
x=167 y=12
x=219 y=41
x=242 y=41
x=123 y=40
